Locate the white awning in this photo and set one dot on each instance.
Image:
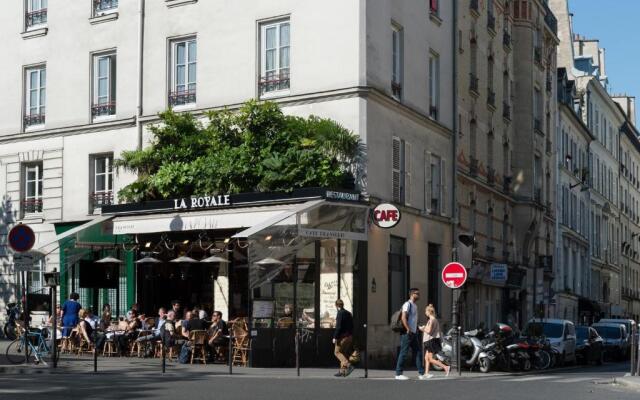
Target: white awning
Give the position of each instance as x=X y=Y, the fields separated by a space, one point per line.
x=232 y=218
x=75 y=230
x=255 y=228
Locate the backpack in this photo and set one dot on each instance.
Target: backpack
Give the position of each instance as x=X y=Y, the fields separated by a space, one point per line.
x=396 y=322
x=185 y=354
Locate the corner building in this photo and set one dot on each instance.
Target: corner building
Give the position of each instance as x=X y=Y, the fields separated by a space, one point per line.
x=89 y=78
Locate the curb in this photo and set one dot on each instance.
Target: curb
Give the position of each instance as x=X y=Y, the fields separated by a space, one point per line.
x=631 y=382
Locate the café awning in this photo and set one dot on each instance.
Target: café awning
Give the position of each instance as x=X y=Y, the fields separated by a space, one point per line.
x=231 y=218
x=73 y=231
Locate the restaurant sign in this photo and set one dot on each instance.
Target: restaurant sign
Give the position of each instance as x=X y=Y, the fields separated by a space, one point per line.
x=195 y=203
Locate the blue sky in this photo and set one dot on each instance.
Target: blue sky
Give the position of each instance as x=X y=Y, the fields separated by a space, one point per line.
x=616 y=23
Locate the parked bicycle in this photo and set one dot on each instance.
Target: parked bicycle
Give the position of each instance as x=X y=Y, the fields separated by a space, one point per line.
x=32 y=349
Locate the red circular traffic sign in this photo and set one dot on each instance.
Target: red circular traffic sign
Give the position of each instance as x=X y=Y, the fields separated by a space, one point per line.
x=21 y=238
x=454 y=275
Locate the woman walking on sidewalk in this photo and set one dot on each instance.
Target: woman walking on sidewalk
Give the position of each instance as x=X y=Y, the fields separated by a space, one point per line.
x=431 y=340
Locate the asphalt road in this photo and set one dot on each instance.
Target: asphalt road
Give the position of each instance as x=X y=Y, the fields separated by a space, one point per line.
x=583 y=383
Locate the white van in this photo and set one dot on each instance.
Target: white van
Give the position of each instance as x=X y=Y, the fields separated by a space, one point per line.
x=561 y=334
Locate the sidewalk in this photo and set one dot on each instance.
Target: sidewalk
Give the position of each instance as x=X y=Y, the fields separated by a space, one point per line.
x=73 y=364
x=632 y=382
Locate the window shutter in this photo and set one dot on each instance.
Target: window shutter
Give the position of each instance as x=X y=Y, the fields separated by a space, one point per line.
x=443 y=187
x=408 y=173
x=112 y=78
x=427 y=182
x=395 y=170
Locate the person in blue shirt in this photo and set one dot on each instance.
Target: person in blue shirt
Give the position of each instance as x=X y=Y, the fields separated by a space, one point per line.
x=70 y=309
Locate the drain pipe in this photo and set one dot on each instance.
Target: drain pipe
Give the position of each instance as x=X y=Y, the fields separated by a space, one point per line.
x=454 y=164
x=140 y=71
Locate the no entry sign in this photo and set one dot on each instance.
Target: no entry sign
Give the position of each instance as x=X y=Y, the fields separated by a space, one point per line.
x=454 y=275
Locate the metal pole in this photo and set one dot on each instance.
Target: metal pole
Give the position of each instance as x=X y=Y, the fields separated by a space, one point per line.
x=230 y=356
x=95 y=351
x=164 y=356
x=458 y=358
x=54 y=328
x=297 y=340
x=366 y=355
x=638 y=356
x=25 y=286
x=633 y=350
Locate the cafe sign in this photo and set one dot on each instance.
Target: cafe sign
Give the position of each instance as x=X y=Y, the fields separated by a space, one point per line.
x=195 y=203
x=386 y=215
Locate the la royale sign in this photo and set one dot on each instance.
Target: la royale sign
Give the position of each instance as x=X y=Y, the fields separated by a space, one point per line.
x=195 y=203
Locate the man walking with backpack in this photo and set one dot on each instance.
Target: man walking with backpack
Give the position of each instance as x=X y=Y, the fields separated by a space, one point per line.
x=343 y=339
x=409 y=336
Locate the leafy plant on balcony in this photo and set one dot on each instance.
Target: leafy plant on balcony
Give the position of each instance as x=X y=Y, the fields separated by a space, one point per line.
x=257 y=148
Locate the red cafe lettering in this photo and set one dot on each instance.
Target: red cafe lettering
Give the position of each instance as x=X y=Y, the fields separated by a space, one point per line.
x=386 y=215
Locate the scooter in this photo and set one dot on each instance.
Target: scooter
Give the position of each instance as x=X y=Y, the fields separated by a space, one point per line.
x=10 y=327
x=470 y=349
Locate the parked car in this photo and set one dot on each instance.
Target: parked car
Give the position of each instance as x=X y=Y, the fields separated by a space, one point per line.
x=561 y=334
x=589 y=345
x=614 y=336
x=628 y=324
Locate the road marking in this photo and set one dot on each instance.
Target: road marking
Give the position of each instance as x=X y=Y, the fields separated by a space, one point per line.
x=530 y=378
x=575 y=380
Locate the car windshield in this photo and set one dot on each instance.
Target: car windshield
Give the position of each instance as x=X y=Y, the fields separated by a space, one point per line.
x=608 y=332
x=547 y=329
x=582 y=333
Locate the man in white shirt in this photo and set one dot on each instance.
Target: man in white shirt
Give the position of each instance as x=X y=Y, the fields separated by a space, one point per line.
x=409 y=338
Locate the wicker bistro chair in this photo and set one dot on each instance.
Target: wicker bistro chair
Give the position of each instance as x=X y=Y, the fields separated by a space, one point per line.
x=85 y=345
x=241 y=343
x=198 y=341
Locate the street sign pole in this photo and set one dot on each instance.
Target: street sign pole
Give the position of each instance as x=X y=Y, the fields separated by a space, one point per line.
x=454 y=276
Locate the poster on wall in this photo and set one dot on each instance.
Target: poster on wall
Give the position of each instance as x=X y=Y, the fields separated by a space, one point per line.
x=328 y=283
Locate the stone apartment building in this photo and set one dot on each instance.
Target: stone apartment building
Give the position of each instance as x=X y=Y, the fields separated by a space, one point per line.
x=87 y=79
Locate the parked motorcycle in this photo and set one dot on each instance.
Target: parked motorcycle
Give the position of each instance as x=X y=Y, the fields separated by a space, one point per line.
x=11 y=326
x=471 y=349
x=504 y=352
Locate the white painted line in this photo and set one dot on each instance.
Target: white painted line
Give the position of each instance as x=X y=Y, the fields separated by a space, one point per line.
x=454 y=275
x=530 y=378
x=575 y=380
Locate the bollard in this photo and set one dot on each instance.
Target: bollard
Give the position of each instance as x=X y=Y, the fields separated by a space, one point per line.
x=164 y=357
x=458 y=358
x=297 y=343
x=230 y=355
x=366 y=355
x=95 y=352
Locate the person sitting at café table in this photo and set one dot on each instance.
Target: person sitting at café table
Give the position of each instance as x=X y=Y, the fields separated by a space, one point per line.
x=194 y=323
x=88 y=327
x=176 y=306
x=105 y=318
x=155 y=335
x=168 y=329
x=286 y=321
x=132 y=325
x=218 y=333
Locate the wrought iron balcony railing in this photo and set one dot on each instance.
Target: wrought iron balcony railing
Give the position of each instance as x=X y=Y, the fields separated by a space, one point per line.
x=34 y=119
x=273 y=82
x=36 y=17
x=31 y=206
x=105 y=109
x=99 y=199
x=182 y=97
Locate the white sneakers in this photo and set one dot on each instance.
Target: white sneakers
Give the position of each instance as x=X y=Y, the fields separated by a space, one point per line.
x=402 y=378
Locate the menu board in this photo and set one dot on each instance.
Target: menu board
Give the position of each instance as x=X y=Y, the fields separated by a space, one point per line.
x=262 y=309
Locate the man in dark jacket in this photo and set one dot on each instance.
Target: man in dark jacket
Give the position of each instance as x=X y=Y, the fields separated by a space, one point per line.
x=343 y=339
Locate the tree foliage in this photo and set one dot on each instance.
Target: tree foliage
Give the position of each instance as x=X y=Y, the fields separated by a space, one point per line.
x=257 y=148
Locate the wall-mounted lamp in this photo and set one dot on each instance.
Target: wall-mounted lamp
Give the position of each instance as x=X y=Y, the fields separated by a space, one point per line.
x=373 y=285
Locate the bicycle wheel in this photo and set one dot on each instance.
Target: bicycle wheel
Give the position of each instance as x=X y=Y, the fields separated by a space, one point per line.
x=16 y=352
x=541 y=360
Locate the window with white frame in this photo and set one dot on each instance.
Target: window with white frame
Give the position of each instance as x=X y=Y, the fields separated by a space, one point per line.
x=101 y=180
x=104 y=6
x=183 y=72
x=36 y=13
x=434 y=85
x=397 y=61
x=104 y=85
x=35 y=96
x=275 y=62
x=32 y=191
